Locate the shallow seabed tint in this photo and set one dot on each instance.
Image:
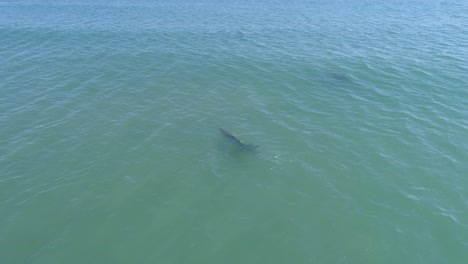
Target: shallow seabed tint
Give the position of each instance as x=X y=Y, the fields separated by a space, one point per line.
x=110 y=148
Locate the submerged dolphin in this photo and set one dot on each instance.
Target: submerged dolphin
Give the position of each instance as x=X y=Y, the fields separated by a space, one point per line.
x=234 y=138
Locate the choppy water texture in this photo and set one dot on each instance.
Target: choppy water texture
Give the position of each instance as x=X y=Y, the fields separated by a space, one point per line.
x=110 y=148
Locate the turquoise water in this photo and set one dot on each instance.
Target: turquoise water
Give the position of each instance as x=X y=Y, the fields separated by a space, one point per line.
x=111 y=150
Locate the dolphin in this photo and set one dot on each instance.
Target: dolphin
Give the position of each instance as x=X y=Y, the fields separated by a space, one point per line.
x=234 y=138
x=339 y=77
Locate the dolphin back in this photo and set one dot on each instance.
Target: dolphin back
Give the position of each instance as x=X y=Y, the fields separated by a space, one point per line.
x=242 y=145
x=229 y=134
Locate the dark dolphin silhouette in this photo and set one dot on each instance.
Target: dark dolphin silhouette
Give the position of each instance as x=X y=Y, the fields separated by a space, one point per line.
x=338 y=77
x=234 y=138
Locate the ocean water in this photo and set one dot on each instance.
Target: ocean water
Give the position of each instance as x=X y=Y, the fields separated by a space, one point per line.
x=111 y=150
